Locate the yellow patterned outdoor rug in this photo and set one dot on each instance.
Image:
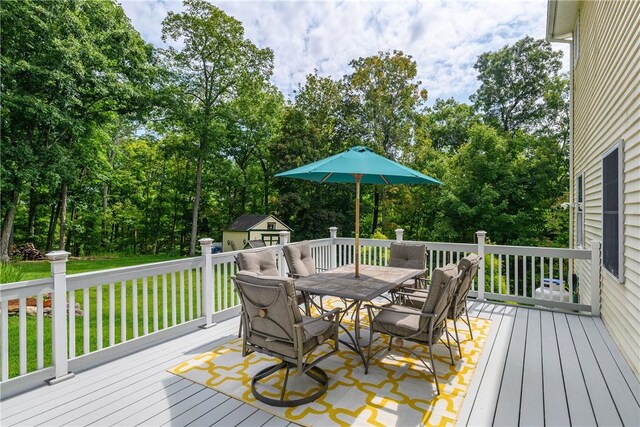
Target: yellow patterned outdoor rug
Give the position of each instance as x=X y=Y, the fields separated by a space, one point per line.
x=397 y=390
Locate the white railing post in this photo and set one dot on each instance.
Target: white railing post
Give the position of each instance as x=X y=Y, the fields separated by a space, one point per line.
x=58 y=260
x=284 y=239
x=595 y=278
x=207 y=282
x=481 y=239
x=399 y=234
x=333 y=253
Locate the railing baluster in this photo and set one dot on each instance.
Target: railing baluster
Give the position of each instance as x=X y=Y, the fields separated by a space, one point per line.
x=524 y=276
x=23 y=335
x=86 y=332
x=561 y=268
x=551 y=281
x=123 y=311
x=517 y=271
x=190 y=293
x=145 y=306
x=507 y=259
x=155 y=303
x=4 y=338
x=544 y=296
x=533 y=276
x=165 y=303
x=174 y=310
x=226 y=286
x=134 y=303
x=570 y=279
x=39 y=331
x=182 y=306
x=217 y=271
x=493 y=290
x=112 y=314
x=71 y=312
x=99 y=318
x=198 y=291
x=500 y=276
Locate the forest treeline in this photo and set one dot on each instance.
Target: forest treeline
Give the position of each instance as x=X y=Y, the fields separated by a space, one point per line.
x=112 y=145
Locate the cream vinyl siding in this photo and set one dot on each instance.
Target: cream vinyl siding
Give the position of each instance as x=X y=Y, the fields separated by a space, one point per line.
x=263 y=225
x=606 y=110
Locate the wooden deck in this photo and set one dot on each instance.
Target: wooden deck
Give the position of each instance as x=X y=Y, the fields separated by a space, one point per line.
x=537 y=368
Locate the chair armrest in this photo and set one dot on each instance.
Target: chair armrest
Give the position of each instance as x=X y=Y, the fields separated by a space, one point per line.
x=323 y=316
x=398 y=309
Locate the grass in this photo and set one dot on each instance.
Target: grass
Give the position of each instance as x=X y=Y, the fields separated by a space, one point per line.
x=38 y=269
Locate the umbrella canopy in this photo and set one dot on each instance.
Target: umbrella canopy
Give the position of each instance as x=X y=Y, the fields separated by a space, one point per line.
x=358 y=165
x=372 y=168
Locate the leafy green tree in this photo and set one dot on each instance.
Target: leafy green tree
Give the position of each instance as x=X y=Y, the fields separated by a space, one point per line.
x=388 y=99
x=213 y=61
x=448 y=123
x=519 y=85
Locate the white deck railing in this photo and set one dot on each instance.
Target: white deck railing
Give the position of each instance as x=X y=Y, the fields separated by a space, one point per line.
x=150 y=302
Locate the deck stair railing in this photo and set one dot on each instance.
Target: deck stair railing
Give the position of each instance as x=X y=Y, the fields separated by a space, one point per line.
x=99 y=316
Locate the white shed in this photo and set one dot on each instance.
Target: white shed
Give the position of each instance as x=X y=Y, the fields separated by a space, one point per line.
x=252 y=230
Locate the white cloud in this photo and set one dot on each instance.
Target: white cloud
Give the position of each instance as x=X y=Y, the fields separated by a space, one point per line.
x=444 y=37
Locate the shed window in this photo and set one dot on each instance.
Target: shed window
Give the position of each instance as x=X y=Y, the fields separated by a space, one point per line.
x=580 y=210
x=271 y=226
x=612 y=211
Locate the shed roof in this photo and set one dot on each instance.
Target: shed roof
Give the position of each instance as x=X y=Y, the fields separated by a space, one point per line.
x=561 y=19
x=246 y=222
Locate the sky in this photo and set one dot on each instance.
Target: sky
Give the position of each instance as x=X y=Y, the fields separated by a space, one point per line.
x=443 y=37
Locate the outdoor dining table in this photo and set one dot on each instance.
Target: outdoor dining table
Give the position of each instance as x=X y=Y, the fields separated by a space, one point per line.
x=374 y=281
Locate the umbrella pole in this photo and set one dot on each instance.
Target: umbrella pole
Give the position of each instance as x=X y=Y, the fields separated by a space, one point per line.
x=357 y=243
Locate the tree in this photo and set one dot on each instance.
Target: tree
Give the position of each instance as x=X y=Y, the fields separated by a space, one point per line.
x=214 y=59
x=516 y=85
x=448 y=124
x=388 y=99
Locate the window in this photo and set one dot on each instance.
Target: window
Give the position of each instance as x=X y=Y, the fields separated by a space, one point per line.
x=271 y=226
x=612 y=211
x=580 y=211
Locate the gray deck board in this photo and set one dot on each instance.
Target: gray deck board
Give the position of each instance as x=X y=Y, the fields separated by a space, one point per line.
x=621 y=393
x=508 y=406
x=531 y=362
x=622 y=364
x=532 y=398
x=556 y=411
x=580 y=410
x=601 y=400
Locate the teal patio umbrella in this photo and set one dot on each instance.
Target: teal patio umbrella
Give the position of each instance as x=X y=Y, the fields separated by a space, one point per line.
x=358 y=165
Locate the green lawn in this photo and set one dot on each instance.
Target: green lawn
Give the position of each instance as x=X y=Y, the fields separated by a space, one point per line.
x=39 y=269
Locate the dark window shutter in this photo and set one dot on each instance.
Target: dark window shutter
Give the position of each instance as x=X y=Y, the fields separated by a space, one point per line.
x=611 y=215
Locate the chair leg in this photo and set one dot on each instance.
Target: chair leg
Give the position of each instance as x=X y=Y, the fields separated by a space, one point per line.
x=448 y=346
x=433 y=366
x=468 y=323
x=455 y=327
x=315 y=373
x=240 y=329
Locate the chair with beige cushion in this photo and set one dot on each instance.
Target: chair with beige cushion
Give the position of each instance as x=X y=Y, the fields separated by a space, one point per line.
x=299 y=259
x=262 y=261
x=468 y=266
x=408 y=255
x=273 y=326
x=425 y=325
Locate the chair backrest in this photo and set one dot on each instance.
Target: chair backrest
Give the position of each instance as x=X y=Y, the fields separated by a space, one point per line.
x=408 y=255
x=299 y=260
x=469 y=268
x=444 y=280
x=269 y=306
x=260 y=261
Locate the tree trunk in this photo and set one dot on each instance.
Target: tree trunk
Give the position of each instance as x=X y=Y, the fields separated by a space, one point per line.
x=376 y=209
x=7 y=226
x=53 y=220
x=265 y=189
x=105 y=206
x=70 y=235
x=63 y=215
x=33 y=210
x=196 y=205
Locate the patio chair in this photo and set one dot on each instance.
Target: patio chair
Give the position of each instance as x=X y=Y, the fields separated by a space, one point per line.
x=274 y=326
x=408 y=255
x=468 y=266
x=263 y=262
x=425 y=325
x=299 y=259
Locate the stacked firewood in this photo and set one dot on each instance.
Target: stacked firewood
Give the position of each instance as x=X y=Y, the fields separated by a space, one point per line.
x=28 y=252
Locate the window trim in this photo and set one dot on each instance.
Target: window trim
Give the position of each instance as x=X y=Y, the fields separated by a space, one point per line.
x=618 y=145
x=580 y=223
x=576 y=40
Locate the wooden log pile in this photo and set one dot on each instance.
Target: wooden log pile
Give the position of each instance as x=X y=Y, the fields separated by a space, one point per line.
x=28 y=252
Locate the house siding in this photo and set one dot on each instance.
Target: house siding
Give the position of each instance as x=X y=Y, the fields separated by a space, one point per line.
x=606 y=109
